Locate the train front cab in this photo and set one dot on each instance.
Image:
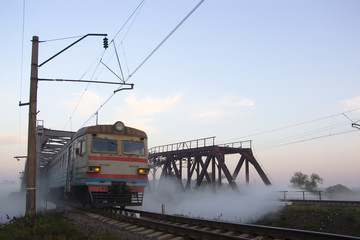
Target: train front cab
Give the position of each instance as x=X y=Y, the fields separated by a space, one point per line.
x=117 y=167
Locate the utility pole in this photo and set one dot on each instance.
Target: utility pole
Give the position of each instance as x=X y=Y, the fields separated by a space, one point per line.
x=31 y=165
x=31 y=159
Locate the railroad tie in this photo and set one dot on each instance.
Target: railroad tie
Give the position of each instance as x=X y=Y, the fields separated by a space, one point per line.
x=167 y=236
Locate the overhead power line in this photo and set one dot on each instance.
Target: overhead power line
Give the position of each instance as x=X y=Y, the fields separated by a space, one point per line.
x=99 y=60
x=309 y=135
x=60 y=39
x=151 y=53
x=132 y=14
x=21 y=70
x=166 y=38
x=306 y=140
x=296 y=124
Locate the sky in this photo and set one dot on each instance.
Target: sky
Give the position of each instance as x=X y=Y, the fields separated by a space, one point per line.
x=284 y=74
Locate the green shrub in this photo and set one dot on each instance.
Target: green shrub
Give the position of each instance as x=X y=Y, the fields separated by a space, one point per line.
x=42 y=226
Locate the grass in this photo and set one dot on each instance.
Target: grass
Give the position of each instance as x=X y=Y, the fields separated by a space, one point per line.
x=45 y=226
x=344 y=220
x=42 y=226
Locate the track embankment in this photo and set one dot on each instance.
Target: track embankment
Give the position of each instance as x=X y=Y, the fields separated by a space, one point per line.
x=161 y=226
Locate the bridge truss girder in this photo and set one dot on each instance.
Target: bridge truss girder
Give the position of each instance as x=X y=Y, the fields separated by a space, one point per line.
x=204 y=164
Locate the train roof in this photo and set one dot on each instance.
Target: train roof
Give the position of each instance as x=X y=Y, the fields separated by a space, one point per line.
x=111 y=129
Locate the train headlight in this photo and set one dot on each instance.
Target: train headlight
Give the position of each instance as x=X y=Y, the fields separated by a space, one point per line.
x=92 y=169
x=119 y=126
x=143 y=171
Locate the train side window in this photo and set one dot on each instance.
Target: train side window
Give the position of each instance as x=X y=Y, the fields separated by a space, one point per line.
x=82 y=148
x=136 y=148
x=104 y=146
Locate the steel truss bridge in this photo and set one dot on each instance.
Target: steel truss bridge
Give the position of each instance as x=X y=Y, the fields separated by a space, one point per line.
x=48 y=143
x=200 y=162
x=204 y=163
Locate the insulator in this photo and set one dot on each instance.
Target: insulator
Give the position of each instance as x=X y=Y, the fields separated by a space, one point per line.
x=106 y=44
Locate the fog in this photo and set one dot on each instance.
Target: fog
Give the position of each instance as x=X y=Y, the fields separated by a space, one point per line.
x=12 y=201
x=248 y=205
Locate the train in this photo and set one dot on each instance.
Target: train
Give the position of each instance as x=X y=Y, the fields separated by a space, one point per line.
x=102 y=165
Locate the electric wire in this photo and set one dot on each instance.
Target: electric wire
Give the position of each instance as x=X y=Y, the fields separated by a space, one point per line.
x=22 y=48
x=140 y=4
x=86 y=88
x=147 y=58
x=125 y=35
x=306 y=140
x=306 y=136
x=311 y=132
x=96 y=112
x=125 y=59
x=60 y=39
x=99 y=61
x=263 y=167
x=21 y=72
x=291 y=126
x=111 y=71
x=137 y=10
x=332 y=129
x=348 y=118
x=166 y=38
x=118 y=59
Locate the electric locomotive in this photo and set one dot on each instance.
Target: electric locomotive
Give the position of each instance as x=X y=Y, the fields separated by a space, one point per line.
x=102 y=165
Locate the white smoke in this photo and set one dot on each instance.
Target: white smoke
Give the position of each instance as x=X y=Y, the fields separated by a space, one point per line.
x=248 y=205
x=12 y=201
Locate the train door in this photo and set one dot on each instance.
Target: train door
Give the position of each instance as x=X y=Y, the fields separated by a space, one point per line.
x=70 y=172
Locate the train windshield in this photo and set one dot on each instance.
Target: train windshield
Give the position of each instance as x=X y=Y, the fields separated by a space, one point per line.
x=136 y=148
x=104 y=146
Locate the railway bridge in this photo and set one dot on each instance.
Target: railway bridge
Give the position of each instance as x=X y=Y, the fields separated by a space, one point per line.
x=201 y=162
x=192 y=164
x=48 y=143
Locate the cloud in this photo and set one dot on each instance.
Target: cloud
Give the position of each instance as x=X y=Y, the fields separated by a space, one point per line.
x=223 y=107
x=90 y=101
x=150 y=105
x=352 y=103
x=145 y=124
x=141 y=112
x=234 y=102
x=10 y=139
x=210 y=113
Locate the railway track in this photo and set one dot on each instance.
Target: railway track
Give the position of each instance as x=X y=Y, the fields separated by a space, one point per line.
x=162 y=226
x=324 y=202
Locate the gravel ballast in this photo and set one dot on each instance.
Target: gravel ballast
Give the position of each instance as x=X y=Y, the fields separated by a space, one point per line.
x=94 y=227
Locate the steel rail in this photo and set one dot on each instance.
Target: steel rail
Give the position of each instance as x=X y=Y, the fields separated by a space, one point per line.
x=194 y=228
x=236 y=229
x=324 y=202
x=187 y=232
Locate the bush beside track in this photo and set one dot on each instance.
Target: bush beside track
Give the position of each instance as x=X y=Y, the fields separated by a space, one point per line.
x=344 y=220
x=41 y=226
x=55 y=226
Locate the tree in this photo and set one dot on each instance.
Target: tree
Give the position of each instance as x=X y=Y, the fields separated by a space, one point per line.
x=299 y=179
x=302 y=180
